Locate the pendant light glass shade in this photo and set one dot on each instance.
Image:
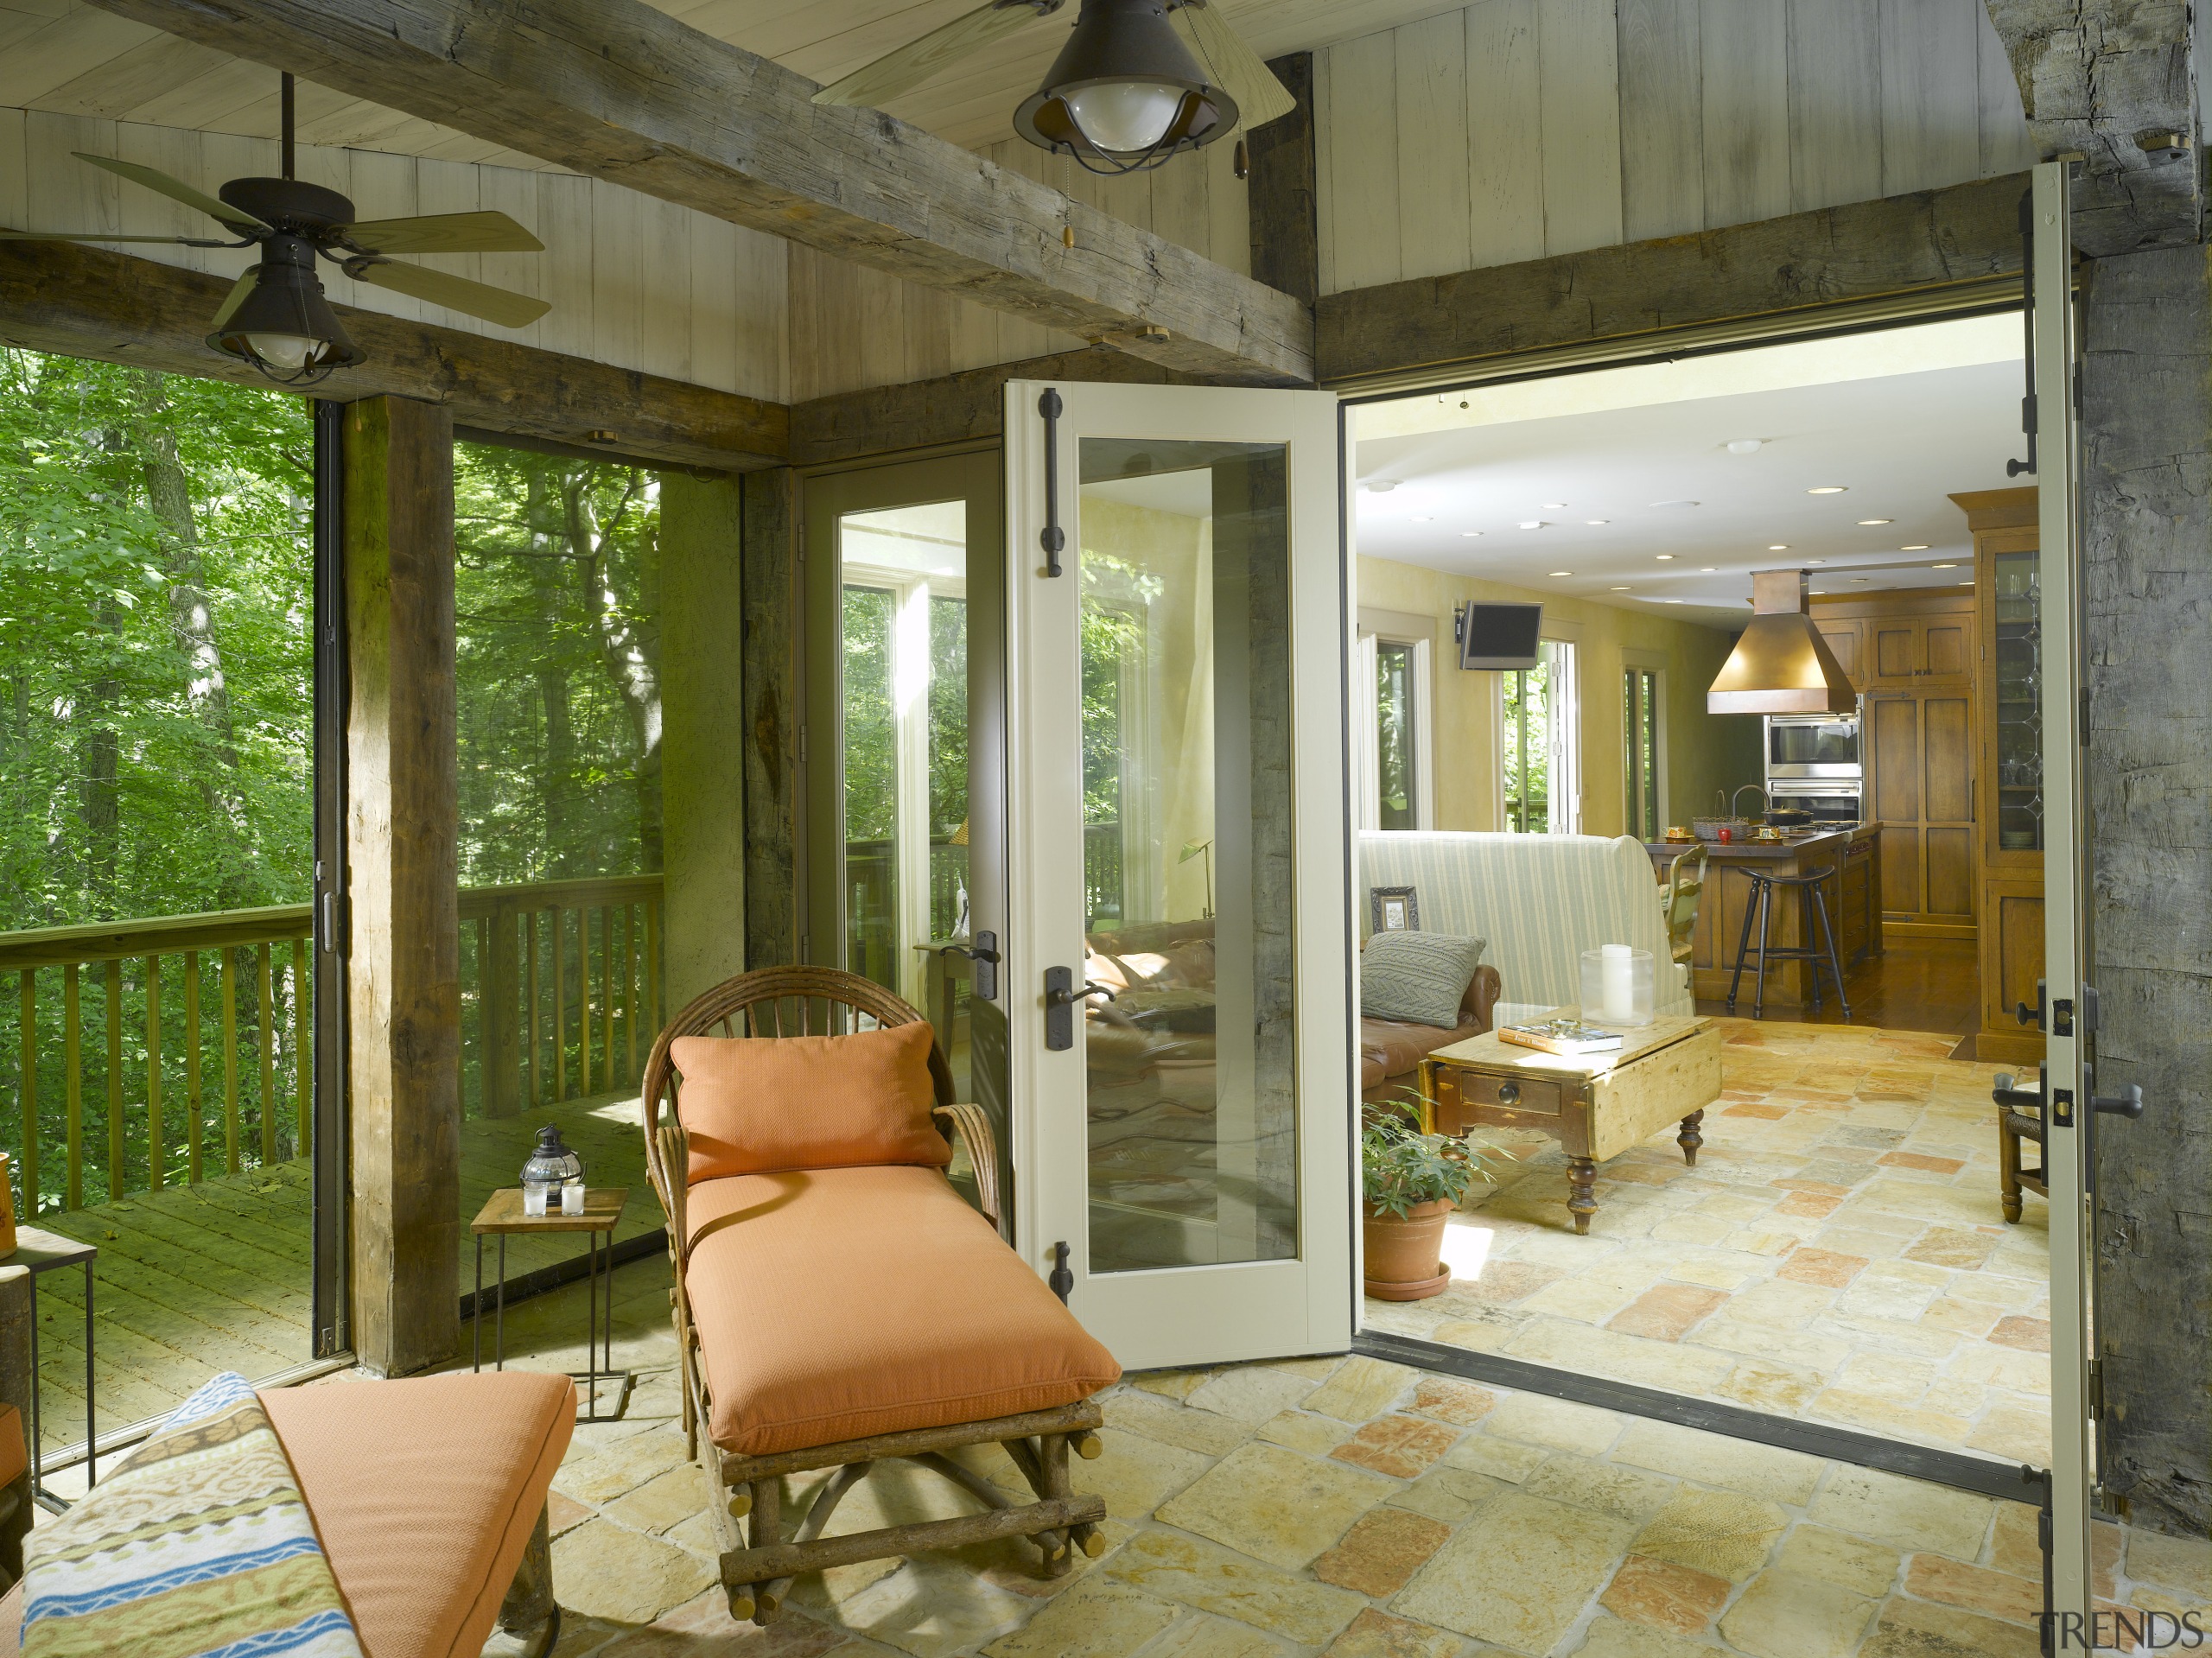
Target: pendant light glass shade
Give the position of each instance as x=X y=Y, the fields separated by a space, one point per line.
x=283 y=325
x=1125 y=93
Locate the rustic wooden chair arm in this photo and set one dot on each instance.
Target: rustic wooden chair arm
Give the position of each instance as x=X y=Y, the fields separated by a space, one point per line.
x=973 y=1126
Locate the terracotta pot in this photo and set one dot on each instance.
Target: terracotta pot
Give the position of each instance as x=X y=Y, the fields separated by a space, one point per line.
x=1404 y=1258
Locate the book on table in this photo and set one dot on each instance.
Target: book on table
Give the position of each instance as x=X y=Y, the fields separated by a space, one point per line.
x=1562 y=1036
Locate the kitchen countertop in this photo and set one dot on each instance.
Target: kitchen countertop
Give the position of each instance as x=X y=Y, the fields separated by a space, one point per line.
x=1825 y=837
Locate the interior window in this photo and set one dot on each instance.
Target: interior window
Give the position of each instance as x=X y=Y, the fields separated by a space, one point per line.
x=1640 y=752
x=1396 y=786
x=1542 y=749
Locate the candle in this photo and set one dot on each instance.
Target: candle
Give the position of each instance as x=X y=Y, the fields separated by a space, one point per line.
x=1619 y=983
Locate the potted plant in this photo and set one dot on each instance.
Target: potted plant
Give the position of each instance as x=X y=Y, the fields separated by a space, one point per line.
x=1411 y=1182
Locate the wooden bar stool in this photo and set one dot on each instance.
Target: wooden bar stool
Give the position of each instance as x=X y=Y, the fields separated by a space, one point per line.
x=1817 y=956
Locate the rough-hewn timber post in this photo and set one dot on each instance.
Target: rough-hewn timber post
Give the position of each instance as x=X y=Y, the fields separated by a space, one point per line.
x=2147 y=461
x=403 y=978
x=771 y=706
x=703 y=734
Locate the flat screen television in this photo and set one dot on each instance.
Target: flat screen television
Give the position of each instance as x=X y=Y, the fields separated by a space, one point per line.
x=1500 y=638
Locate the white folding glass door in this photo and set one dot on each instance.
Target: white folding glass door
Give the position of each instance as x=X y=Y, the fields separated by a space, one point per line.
x=1178 y=959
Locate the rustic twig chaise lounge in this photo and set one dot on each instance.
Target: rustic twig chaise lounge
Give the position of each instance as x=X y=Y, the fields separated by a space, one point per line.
x=837 y=1303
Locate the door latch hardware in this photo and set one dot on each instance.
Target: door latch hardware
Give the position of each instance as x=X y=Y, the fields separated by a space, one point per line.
x=1052 y=538
x=1060 y=998
x=985 y=955
x=2128 y=1103
x=1062 y=1279
x=2061 y=1106
x=2061 y=1017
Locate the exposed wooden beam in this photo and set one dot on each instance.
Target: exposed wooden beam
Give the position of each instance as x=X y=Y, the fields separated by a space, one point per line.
x=621 y=91
x=1283 y=201
x=2110 y=80
x=87 y=301
x=965 y=408
x=1868 y=249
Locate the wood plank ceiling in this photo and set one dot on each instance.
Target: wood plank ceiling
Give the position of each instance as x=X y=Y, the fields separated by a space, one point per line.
x=68 y=58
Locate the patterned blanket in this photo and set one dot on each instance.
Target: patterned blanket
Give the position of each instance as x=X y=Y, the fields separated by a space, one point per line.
x=199 y=1543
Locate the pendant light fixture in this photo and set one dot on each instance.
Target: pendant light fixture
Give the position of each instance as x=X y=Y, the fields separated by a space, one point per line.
x=1125 y=93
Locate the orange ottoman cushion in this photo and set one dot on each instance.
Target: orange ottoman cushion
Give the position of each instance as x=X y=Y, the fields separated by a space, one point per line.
x=753 y=1105
x=834 y=1304
x=15 y=1458
x=425 y=1492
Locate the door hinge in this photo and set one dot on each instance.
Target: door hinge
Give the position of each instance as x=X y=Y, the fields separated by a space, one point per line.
x=2085 y=717
x=2097 y=1390
x=802 y=742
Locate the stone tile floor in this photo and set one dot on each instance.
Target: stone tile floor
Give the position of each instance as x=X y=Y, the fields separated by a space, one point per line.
x=1838 y=1251
x=1336 y=1506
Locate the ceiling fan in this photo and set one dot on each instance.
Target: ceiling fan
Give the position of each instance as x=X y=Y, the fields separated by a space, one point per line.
x=1125 y=93
x=275 y=316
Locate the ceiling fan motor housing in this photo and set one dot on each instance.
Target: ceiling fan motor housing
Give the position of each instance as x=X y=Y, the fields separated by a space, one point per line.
x=289 y=204
x=1125 y=44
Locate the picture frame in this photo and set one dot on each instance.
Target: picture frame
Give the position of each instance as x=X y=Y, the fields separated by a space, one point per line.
x=1393 y=909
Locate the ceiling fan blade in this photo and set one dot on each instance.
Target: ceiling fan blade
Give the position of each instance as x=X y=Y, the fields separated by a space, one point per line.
x=91 y=236
x=235 y=298
x=1243 y=72
x=481 y=232
x=916 y=61
x=509 y=311
x=176 y=190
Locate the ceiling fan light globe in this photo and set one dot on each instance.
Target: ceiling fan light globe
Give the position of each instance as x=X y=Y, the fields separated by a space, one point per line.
x=1124 y=118
x=284 y=327
x=288 y=352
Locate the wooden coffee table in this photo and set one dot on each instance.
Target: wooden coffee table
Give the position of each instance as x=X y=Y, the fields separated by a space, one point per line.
x=1596 y=1106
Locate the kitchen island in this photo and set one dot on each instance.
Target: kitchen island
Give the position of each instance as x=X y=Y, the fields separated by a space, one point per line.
x=1853 y=892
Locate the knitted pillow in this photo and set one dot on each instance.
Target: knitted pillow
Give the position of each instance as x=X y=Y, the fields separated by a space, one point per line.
x=1416 y=978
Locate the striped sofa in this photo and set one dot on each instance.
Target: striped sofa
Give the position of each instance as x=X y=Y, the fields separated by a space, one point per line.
x=1540 y=900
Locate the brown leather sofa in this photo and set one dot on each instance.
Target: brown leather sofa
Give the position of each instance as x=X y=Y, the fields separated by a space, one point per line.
x=1390 y=1050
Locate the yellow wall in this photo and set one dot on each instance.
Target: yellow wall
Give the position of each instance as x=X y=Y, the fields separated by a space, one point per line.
x=1703 y=752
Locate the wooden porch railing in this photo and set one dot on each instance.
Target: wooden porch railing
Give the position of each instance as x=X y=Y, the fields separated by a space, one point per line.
x=542 y=982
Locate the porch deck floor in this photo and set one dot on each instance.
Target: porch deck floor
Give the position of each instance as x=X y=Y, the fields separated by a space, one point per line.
x=195 y=1279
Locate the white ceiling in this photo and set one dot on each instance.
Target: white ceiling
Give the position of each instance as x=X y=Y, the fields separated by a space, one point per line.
x=1902 y=419
x=73 y=59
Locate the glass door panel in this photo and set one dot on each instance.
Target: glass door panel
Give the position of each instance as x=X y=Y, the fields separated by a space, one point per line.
x=1191 y=1107
x=1177 y=951
x=2015 y=594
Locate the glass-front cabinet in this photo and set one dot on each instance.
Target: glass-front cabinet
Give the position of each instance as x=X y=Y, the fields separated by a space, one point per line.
x=2008 y=764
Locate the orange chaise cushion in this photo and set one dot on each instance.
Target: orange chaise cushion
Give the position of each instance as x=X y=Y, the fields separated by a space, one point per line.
x=834 y=1304
x=425 y=1492
x=753 y=1105
x=15 y=1459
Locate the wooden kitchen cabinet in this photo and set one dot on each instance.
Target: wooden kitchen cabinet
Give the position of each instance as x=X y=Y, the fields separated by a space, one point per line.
x=2009 y=842
x=1911 y=652
x=1845 y=639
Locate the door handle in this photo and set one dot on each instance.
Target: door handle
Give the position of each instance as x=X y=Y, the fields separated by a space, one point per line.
x=2128 y=1103
x=1060 y=1000
x=985 y=955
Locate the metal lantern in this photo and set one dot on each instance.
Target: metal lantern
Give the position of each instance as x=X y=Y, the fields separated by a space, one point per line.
x=551 y=1174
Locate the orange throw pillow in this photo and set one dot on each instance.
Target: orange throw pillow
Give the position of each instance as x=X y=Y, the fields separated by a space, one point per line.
x=761 y=1105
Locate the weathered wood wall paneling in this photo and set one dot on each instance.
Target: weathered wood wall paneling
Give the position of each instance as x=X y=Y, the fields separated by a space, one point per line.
x=1283 y=222
x=2145 y=415
x=853 y=327
x=1512 y=130
x=404 y=967
x=1967 y=233
x=634 y=282
x=87 y=301
x=768 y=526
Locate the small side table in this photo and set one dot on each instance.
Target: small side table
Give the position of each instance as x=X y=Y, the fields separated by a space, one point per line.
x=503 y=1216
x=44 y=1252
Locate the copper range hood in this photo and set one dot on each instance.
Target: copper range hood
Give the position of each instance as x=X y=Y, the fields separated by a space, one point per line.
x=1782 y=665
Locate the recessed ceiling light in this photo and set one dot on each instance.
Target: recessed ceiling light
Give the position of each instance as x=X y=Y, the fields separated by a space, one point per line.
x=1817 y=592
x=1663 y=557
x=1826 y=489
x=1864 y=522
x=1562 y=572
x=1620 y=589
x=1469 y=534
x=1943 y=567
x=1382 y=485
x=1530 y=524
x=1596 y=521
x=1746 y=444
x=1862 y=578
x=1423 y=520
x=1675 y=601
x=1708 y=570
x=1914 y=546
x=1674 y=502
x=1816 y=560
x=1554 y=507
x=1779 y=547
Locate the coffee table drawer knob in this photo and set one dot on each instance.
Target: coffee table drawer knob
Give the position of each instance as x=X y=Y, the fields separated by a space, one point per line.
x=1508 y=1093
